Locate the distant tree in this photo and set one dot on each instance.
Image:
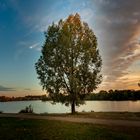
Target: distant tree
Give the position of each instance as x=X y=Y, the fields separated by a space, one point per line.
x=139 y=84
x=69 y=66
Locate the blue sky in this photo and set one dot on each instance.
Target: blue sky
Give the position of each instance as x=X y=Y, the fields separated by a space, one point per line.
x=22 y=23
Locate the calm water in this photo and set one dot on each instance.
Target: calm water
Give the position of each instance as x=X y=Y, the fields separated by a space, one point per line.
x=47 y=107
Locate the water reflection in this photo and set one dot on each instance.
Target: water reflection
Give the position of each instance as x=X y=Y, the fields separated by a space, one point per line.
x=47 y=107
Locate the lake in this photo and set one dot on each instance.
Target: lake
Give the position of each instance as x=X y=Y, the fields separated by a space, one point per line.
x=48 y=107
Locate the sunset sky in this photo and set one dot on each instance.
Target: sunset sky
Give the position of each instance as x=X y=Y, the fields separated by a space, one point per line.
x=116 y=23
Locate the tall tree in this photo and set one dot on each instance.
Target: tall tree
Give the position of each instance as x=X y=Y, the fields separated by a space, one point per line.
x=69 y=66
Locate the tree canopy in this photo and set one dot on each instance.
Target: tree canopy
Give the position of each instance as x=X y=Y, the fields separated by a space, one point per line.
x=69 y=66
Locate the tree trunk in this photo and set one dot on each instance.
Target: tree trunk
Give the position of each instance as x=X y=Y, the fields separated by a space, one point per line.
x=73 y=107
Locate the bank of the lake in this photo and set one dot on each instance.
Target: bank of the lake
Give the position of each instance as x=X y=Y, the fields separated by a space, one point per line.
x=89 y=106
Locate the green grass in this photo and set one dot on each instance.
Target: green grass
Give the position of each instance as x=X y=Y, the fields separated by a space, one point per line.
x=30 y=129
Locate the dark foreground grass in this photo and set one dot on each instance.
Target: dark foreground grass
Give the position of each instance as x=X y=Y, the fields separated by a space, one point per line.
x=31 y=129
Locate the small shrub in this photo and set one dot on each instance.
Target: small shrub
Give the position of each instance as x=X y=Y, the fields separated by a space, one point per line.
x=28 y=109
x=1 y=111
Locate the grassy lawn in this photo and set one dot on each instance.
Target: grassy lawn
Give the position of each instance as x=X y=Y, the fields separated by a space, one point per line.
x=30 y=129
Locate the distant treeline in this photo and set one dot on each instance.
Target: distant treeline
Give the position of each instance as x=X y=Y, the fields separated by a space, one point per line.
x=117 y=95
x=25 y=98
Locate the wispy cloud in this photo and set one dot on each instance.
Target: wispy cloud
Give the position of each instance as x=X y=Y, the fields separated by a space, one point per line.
x=29 y=45
x=119 y=22
x=35 y=46
x=3 y=88
x=24 y=46
x=27 y=89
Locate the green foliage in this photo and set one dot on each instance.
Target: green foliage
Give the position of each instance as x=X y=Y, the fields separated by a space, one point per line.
x=28 y=109
x=69 y=66
x=117 y=95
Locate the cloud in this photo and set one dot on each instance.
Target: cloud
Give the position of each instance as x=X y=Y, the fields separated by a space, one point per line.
x=24 y=46
x=3 y=88
x=27 y=89
x=119 y=23
x=33 y=46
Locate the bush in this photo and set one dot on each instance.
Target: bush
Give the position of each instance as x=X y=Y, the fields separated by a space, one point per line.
x=28 y=109
x=1 y=111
